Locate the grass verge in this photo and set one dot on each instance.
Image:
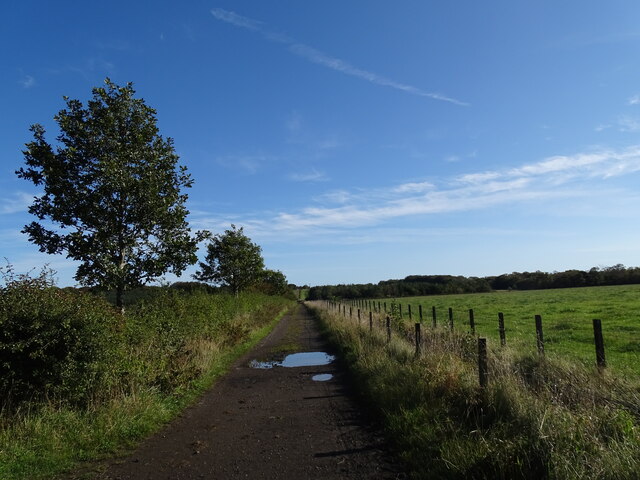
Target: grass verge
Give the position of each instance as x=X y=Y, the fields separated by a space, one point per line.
x=538 y=418
x=46 y=439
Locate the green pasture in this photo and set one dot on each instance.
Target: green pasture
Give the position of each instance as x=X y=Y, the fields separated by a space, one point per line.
x=567 y=316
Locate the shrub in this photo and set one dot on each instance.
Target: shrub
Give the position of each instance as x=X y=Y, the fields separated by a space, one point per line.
x=54 y=343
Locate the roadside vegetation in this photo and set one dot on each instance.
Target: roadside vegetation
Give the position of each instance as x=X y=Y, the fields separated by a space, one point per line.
x=539 y=417
x=79 y=380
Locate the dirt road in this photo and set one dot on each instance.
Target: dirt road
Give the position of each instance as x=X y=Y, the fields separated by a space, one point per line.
x=268 y=423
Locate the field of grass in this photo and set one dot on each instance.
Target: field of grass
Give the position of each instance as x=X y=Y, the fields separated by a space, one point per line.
x=567 y=316
x=543 y=418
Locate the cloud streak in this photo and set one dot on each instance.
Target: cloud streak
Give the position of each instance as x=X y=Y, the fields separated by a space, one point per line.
x=553 y=178
x=319 y=58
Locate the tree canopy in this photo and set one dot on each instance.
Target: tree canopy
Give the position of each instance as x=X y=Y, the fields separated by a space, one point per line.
x=232 y=261
x=113 y=192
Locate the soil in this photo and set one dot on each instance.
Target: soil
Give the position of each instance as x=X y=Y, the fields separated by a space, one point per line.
x=271 y=423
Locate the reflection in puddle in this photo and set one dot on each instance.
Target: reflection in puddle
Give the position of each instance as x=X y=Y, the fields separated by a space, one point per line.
x=323 y=377
x=304 y=359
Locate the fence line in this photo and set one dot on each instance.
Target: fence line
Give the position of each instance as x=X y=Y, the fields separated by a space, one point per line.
x=482 y=342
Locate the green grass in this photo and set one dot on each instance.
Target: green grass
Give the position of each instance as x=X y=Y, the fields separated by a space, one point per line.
x=539 y=418
x=40 y=440
x=567 y=316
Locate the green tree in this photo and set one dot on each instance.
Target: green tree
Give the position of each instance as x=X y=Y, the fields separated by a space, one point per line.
x=114 y=190
x=273 y=282
x=232 y=261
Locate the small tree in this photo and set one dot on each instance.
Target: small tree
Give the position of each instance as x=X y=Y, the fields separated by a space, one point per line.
x=114 y=188
x=273 y=282
x=232 y=260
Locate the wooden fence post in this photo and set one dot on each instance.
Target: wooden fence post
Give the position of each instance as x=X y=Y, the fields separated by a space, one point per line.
x=400 y=310
x=358 y=316
x=539 y=336
x=433 y=314
x=503 y=338
x=409 y=308
x=483 y=370
x=371 y=321
x=420 y=312
x=597 y=335
x=388 y=329
x=451 y=319
x=418 y=339
x=472 y=323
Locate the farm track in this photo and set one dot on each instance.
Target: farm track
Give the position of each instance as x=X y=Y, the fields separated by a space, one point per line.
x=269 y=423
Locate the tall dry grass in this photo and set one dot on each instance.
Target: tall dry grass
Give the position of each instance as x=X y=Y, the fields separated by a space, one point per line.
x=538 y=417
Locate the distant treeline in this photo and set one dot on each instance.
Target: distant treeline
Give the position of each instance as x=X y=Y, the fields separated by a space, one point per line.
x=416 y=285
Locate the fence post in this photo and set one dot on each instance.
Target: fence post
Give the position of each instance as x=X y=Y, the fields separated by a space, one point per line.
x=370 y=321
x=358 y=316
x=388 y=329
x=420 y=312
x=350 y=312
x=385 y=307
x=433 y=313
x=451 y=319
x=503 y=338
x=400 y=310
x=539 y=336
x=483 y=370
x=472 y=323
x=409 y=308
x=418 y=340
x=597 y=335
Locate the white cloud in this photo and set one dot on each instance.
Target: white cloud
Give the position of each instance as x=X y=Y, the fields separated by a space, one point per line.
x=628 y=124
x=18 y=203
x=634 y=100
x=316 y=56
x=553 y=178
x=313 y=176
x=250 y=164
x=28 y=81
x=413 y=187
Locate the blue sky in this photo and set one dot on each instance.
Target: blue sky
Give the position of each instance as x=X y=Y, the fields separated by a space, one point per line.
x=364 y=140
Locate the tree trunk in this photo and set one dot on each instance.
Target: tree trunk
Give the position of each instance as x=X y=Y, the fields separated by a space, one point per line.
x=120 y=298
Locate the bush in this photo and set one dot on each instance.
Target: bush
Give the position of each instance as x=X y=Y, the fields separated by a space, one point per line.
x=54 y=343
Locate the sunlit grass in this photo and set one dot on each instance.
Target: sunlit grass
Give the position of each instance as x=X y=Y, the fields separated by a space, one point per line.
x=44 y=438
x=538 y=418
x=567 y=316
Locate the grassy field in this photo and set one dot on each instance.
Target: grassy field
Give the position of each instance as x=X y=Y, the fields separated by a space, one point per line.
x=567 y=316
x=543 y=418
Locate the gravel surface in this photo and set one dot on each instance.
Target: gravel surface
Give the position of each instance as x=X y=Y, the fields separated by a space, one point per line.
x=273 y=422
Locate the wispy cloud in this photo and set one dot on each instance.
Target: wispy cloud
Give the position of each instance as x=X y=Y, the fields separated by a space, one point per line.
x=27 y=81
x=413 y=187
x=624 y=123
x=88 y=69
x=578 y=176
x=316 y=56
x=313 y=176
x=634 y=100
x=250 y=164
x=19 y=202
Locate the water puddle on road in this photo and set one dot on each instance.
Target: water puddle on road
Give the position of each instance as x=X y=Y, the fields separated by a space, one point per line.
x=323 y=377
x=304 y=359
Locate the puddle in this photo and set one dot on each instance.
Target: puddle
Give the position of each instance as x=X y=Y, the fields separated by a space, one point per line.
x=323 y=377
x=304 y=359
